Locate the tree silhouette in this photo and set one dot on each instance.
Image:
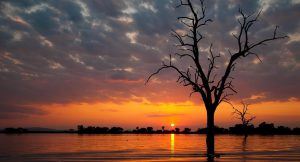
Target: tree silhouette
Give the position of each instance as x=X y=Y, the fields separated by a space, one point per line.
x=243 y=116
x=177 y=130
x=149 y=129
x=204 y=80
x=187 y=130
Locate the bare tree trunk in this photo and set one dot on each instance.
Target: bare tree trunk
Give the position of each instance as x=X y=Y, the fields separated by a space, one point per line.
x=210 y=135
x=212 y=91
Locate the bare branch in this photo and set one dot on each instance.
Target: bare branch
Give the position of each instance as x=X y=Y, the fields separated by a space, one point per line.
x=185 y=17
x=184 y=55
x=181 y=4
x=213 y=91
x=242 y=114
x=244 y=49
x=184 y=77
x=212 y=61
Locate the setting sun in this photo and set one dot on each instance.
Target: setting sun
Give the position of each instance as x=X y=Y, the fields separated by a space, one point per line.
x=172 y=124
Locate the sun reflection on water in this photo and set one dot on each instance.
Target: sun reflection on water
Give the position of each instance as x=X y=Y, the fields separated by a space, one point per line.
x=172 y=143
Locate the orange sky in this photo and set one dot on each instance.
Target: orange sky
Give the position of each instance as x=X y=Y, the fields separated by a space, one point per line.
x=142 y=114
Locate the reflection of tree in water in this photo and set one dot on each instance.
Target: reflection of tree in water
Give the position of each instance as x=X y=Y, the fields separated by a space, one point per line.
x=244 y=144
x=244 y=148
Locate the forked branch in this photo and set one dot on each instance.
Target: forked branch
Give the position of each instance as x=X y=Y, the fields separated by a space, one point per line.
x=204 y=81
x=243 y=114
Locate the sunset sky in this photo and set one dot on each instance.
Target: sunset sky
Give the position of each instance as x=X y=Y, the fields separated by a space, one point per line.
x=70 y=62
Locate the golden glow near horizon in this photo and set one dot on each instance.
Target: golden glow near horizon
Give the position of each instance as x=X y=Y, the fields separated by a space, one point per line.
x=129 y=115
x=172 y=125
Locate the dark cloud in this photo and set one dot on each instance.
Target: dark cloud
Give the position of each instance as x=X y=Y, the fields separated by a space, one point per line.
x=8 y=111
x=89 y=51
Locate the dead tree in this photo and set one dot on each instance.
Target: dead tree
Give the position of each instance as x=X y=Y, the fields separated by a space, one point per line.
x=213 y=89
x=243 y=116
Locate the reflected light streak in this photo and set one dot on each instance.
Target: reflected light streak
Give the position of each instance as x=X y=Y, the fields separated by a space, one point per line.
x=172 y=143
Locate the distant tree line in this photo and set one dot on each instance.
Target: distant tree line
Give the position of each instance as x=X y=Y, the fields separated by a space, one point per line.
x=138 y=130
x=263 y=128
x=15 y=130
x=100 y=130
x=20 y=130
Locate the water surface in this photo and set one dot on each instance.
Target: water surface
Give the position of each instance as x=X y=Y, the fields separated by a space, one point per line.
x=132 y=147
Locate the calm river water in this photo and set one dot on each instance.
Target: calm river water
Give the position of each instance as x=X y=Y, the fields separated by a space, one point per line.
x=131 y=147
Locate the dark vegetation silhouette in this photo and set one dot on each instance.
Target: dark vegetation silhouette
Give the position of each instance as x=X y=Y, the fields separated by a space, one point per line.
x=262 y=129
x=21 y=130
x=99 y=130
x=217 y=130
x=213 y=89
x=245 y=117
x=15 y=130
